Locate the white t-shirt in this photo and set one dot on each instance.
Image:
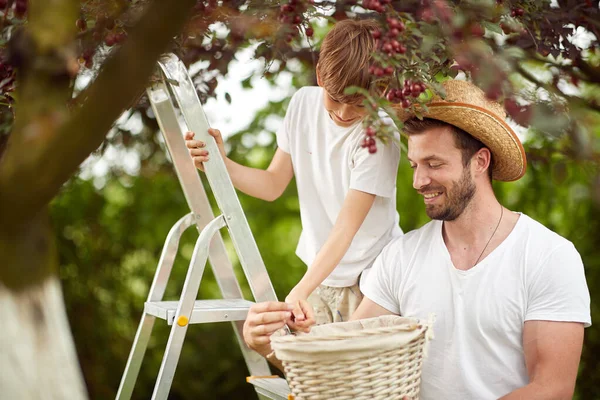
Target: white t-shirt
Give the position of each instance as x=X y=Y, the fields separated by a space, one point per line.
x=328 y=161
x=477 y=350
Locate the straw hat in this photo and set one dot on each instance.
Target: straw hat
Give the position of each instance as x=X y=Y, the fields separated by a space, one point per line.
x=467 y=108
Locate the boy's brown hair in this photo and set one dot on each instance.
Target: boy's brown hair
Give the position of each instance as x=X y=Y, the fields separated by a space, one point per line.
x=345 y=57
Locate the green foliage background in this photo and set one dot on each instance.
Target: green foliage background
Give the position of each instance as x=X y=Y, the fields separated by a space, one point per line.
x=110 y=238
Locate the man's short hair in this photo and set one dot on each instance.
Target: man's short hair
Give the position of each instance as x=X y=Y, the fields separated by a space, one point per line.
x=466 y=143
x=345 y=57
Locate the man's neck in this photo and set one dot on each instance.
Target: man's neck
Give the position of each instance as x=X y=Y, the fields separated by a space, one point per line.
x=475 y=221
x=482 y=226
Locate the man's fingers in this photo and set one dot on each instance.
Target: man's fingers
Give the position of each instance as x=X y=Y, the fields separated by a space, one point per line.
x=189 y=135
x=271 y=306
x=268 y=329
x=269 y=317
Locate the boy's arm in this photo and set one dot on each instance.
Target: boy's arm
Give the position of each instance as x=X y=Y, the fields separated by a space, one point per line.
x=266 y=184
x=354 y=211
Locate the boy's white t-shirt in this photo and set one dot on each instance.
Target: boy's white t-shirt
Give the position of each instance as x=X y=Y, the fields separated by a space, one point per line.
x=477 y=350
x=328 y=161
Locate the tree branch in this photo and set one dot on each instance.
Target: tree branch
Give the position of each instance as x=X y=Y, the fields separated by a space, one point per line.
x=554 y=89
x=27 y=186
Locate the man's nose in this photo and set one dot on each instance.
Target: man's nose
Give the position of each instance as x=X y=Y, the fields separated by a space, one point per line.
x=420 y=178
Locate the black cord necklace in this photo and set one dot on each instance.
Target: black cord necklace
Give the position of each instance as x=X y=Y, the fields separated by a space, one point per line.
x=490 y=239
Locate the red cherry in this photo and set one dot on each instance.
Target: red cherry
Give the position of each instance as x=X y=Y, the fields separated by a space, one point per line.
x=309 y=31
x=373 y=149
x=477 y=30
x=389 y=70
x=376 y=34
x=406 y=103
x=110 y=39
x=80 y=23
x=370 y=131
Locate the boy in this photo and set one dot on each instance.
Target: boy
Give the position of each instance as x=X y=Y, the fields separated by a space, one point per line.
x=347 y=196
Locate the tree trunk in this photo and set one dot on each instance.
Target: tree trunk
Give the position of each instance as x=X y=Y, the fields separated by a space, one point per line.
x=38 y=359
x=48 y=142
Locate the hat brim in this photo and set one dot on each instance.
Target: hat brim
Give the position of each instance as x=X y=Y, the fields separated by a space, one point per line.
x=510 y=162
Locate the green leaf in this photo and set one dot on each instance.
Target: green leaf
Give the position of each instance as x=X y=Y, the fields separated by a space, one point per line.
x=492 y=27
x=247 y=83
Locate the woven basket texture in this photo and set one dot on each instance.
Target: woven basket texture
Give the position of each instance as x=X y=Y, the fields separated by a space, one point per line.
x=376 y=358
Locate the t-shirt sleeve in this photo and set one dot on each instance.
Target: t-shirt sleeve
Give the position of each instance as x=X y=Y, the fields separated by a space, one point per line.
x=383 y=282
x=284 y=133
x=376 y=173
x=558 y=291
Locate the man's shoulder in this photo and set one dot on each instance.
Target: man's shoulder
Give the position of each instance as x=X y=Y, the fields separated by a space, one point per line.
x=414 y=240
x=540 y=236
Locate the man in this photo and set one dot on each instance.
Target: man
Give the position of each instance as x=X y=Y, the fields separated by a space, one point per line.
x=509 y=294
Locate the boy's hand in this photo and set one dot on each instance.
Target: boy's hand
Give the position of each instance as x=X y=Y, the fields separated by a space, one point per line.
x=302 y=313
x=303 y=308
x=197 y=148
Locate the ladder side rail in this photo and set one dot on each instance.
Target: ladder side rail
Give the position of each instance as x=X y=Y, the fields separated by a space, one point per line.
x=167 y=257
x=199 y=204
x=184 y=309
x=192 y=188
x=157 y=290
x=252 y=263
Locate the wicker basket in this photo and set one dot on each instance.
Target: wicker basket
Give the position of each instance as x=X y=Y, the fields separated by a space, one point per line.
x=369 y=359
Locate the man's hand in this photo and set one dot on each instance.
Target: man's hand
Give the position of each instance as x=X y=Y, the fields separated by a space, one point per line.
x=197 y=148
x=262 y=321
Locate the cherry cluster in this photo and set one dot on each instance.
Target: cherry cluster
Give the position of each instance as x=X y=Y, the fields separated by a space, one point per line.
x=369 y=140
x=105 y=30
x=517 y=12
x=376 y=5
x=410 y=89
x=291 y=15
x=7 y=80
x=20 y=7
x=389 y=42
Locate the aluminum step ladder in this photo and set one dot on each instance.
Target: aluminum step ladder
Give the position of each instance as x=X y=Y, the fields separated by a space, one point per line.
x=233 y=308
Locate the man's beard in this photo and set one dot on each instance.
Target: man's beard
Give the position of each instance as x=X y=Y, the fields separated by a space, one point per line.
x=458 y=198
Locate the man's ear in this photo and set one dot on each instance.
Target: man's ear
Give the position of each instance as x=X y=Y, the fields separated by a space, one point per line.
x=482 y=160
x=318 y=76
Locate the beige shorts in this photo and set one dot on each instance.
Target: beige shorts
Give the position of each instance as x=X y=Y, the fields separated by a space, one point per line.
x=334 y=304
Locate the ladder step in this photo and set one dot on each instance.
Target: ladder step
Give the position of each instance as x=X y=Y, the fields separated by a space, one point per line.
x=272 y=388
x=205 y=311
